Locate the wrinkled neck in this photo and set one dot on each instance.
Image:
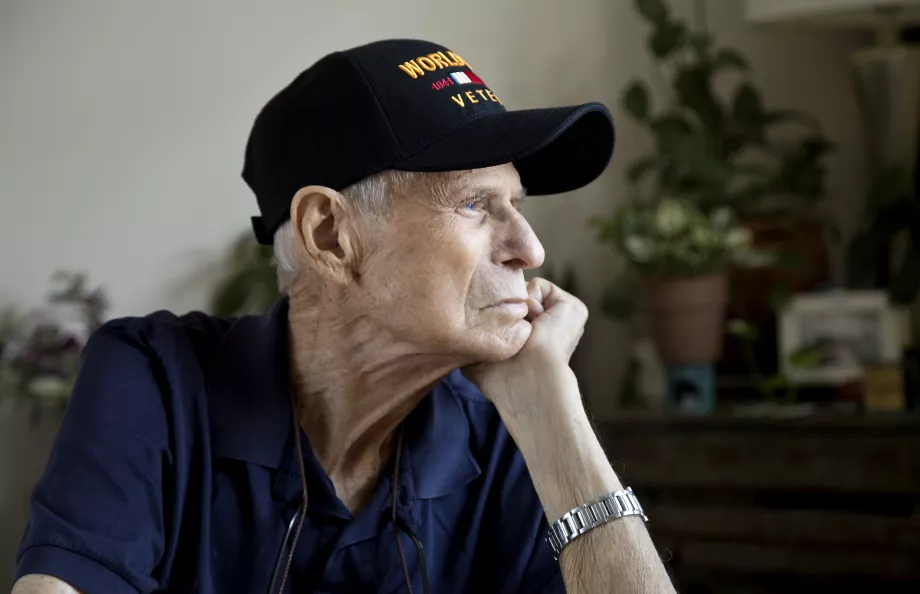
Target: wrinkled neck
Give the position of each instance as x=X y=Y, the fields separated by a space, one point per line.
x=353 y=382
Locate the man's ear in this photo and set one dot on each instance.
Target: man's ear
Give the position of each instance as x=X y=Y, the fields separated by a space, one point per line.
x=324 y=225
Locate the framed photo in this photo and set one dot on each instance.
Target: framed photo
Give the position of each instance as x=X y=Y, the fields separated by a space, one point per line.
x=831 y=338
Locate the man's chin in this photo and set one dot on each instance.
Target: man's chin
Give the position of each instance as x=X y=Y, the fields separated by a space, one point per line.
x=506 y=343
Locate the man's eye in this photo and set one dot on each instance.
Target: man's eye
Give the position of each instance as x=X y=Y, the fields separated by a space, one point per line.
x=473 y=205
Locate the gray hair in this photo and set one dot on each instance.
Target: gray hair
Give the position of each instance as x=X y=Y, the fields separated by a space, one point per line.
x=370 y=197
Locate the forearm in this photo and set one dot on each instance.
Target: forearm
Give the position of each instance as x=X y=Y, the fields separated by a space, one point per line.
x=41 y=584
x=568 y=467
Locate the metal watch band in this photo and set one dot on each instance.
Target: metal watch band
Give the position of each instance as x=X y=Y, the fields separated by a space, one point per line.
x=585 y=518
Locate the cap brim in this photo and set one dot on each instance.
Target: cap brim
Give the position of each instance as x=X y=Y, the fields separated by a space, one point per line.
x=555 y=150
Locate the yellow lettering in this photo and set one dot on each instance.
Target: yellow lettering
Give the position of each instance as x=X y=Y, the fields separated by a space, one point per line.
x=457 y=99
x=448 y=60
x=481 y=94
x=437 y=59
x=492 y=96
x=412 y=69
x=426 y=63
x=457 y=59
x=471 y=97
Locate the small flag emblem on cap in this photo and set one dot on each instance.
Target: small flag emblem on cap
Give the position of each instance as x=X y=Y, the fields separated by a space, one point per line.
x=466 y=78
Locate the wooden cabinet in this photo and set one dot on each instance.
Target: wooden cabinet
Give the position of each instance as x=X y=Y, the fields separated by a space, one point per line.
x=821 y=504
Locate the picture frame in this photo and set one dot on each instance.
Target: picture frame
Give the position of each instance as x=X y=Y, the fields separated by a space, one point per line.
x=832 y=337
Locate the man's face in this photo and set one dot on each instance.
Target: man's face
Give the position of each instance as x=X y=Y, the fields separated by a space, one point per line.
x=445 y=271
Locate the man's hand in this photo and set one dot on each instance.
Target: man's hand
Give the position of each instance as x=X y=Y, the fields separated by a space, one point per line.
x=558 y=319
x=537 y=396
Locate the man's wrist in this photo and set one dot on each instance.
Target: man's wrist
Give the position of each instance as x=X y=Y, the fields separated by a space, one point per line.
x=548 y=422
x=548 y=390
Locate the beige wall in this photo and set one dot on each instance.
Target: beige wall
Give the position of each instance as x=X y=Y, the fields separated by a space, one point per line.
x=122 y=124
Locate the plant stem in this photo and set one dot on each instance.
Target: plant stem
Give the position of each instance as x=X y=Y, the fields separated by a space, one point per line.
x=759 y=379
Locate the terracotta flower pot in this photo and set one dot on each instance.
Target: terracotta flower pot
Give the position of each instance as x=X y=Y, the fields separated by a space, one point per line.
x=686 y=317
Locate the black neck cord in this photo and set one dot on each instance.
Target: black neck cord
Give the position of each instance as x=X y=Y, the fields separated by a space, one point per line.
x=301 y=514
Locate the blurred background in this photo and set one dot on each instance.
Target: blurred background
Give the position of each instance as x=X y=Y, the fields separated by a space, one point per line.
x=749 y=259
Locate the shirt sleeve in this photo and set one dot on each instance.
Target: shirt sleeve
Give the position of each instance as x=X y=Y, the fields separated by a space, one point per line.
x=543 y=575
x=96 y=515
x=526 y=526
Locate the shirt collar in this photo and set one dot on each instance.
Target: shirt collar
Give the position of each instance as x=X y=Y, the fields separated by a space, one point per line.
x=437 y=435
x=249 y=389
x=250 y=410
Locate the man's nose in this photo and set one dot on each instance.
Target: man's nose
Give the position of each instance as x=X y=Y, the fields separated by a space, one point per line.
x=520 y=248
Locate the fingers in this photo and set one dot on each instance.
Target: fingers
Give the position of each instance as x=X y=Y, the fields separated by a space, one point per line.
x=534 y=308
x=558 y=319
x=548 y=294
x=557 y=303
x=538 y=289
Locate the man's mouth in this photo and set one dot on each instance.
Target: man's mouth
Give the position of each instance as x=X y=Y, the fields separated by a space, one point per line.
x=515 y=306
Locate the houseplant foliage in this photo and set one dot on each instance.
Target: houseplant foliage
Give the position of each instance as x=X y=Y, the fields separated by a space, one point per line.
x=717 y=143
x=40 y=350
x=673 y=238
x=250 y=284
x=715 y=151
x=892 y=217
x=675 y=258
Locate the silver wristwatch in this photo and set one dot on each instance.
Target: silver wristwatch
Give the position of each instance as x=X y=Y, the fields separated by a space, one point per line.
x=580 y=520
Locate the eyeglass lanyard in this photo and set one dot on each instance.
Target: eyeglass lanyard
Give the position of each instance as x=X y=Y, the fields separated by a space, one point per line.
x=295 y=525
x=295 y=519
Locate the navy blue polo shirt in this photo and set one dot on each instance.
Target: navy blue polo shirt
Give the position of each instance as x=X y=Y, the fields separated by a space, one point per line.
x=175 y=471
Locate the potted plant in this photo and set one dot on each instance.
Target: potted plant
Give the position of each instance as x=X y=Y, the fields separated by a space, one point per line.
x=727 y=148
x=885 y=252
x=676 y=259
x=40 y=351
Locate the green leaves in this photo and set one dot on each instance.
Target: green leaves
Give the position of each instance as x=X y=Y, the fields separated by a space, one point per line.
x=809 y=356
x=666 y=38
x=640 y=168
x=250 y=285
x=672 y=237
x=747 y=106
x=694 y=92
x=636 y=100
x=702 y=138
x=700 y=43
x=670 y=130
x=727 y=58
x=906 y=283
x=801 y=170
x=697 y=153
x=893 y=213
x=654 y=11
x=667 y=34
x=742 y=329
x=774 y=383
x=748 y=117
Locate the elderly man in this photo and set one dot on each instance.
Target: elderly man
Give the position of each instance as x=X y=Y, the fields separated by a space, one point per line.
x=331 y=445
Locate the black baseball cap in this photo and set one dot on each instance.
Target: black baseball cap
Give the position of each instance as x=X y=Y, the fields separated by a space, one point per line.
x=410 y=105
